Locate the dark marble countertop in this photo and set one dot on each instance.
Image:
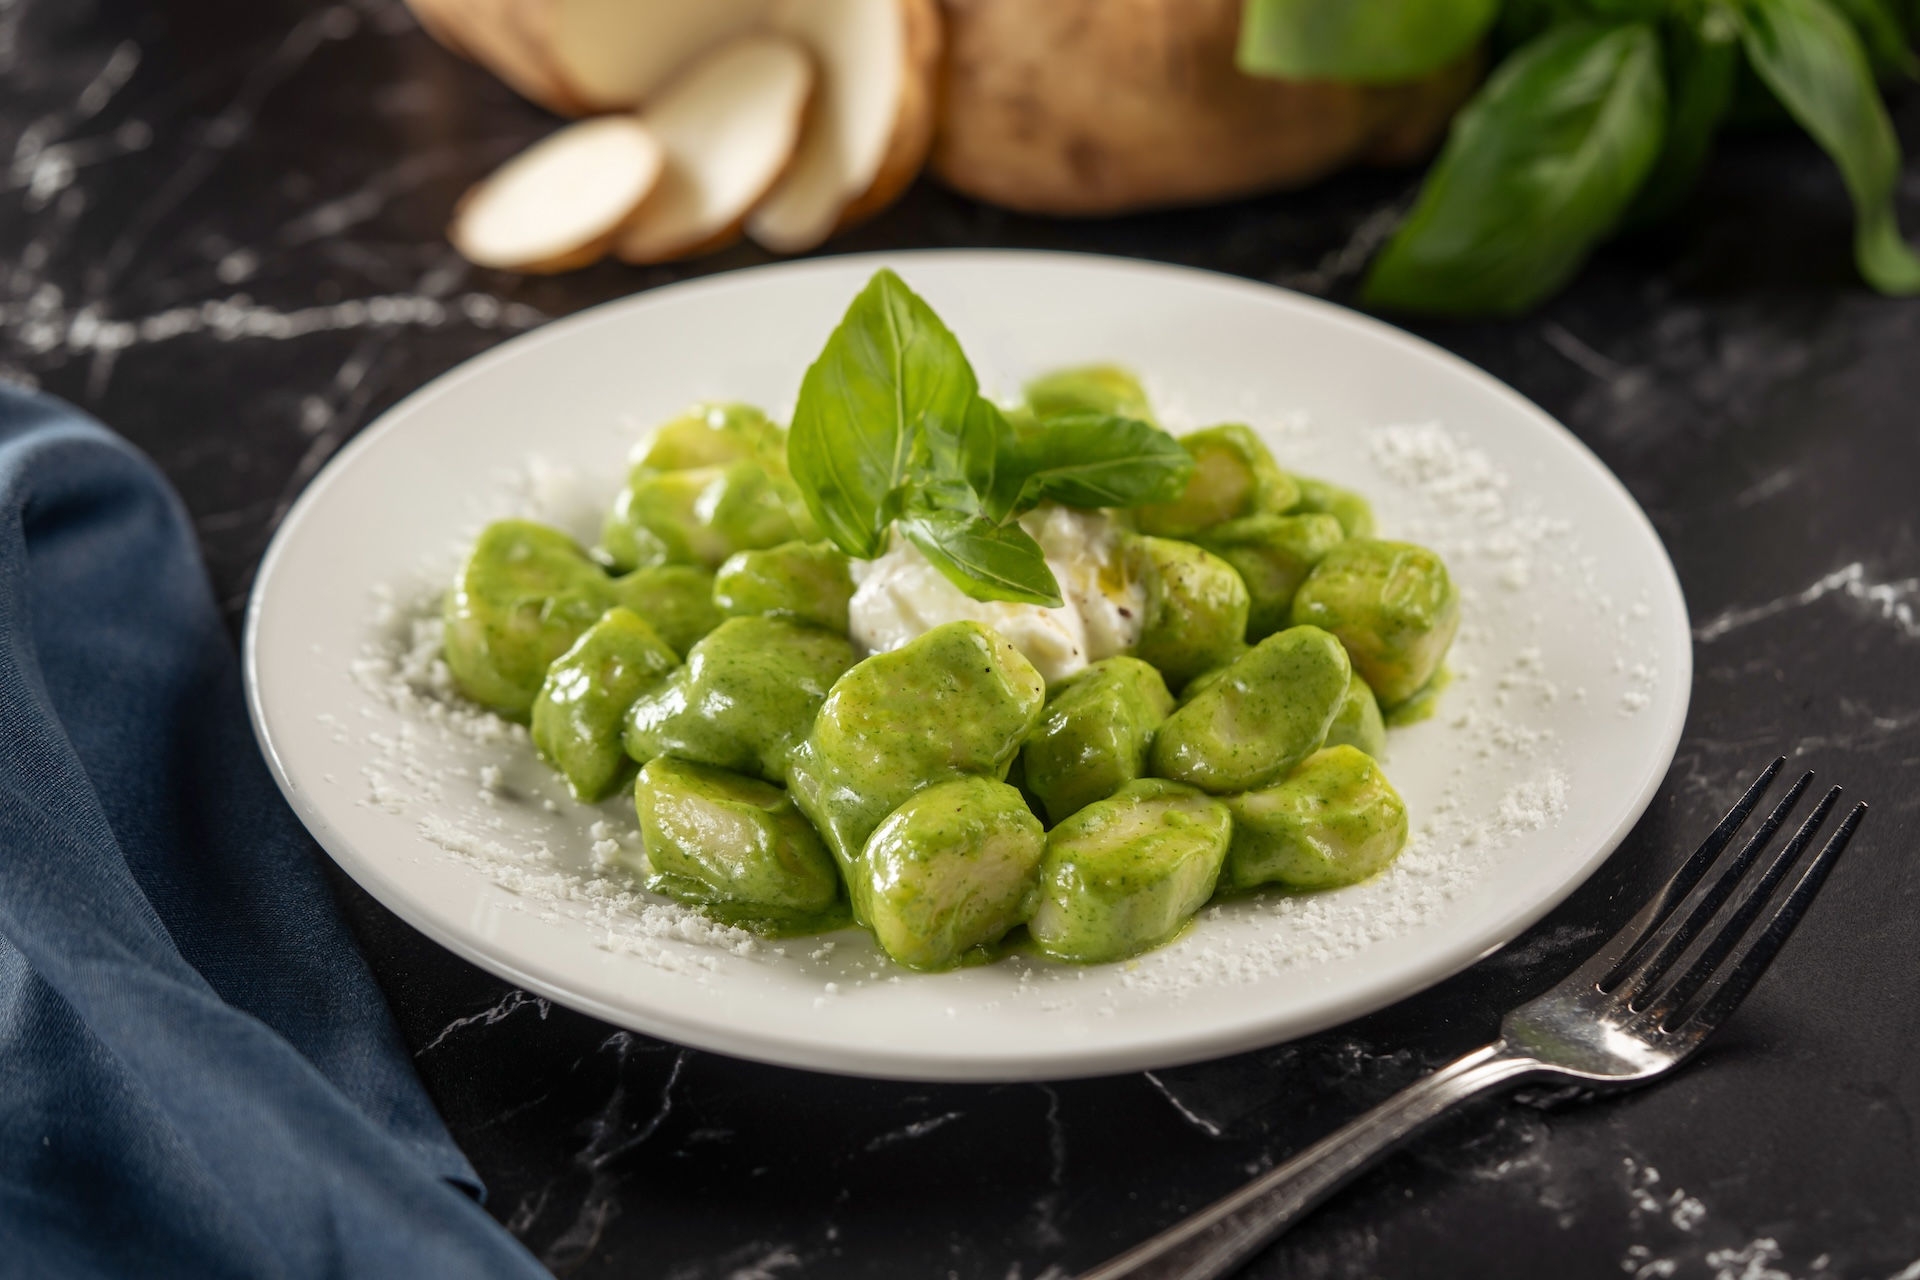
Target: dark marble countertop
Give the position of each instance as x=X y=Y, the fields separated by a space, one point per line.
x=220 y=232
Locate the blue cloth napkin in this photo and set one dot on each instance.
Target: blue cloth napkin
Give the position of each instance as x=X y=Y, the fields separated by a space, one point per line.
x=198 y=1076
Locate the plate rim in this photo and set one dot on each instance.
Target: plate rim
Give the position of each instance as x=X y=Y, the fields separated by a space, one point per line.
x=1071 y=1060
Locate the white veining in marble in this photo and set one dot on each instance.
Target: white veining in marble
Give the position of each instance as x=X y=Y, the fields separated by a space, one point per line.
x=1893 y=602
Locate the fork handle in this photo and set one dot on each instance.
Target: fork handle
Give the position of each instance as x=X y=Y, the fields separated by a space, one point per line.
x=1220 y=1237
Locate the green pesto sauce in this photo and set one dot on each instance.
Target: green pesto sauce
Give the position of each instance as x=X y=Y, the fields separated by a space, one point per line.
x=1423 y=705
x=934 y=794
x=1021 y=942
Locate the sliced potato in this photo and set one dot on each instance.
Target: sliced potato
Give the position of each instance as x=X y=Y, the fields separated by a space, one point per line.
x=871 y=120
x=729 y=127
x=491 y=33
x=914 y=119
x=614 y=55
x=560 y=203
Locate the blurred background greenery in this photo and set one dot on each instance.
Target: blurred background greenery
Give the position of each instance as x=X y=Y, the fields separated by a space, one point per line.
x=1598 y=115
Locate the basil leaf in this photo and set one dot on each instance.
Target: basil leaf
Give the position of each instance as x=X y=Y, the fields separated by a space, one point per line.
x=985 y=559
x=1537 y=169
x=985 y=457
x=1884 y=33
x=1703 y=58
x=891 y=381
x=1370 y=41
x=1099 y=460
x=1807 y=54
x=1630 y=10
x=1522 y=20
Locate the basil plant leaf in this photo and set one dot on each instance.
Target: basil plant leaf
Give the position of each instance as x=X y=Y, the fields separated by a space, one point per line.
x=1806 y=52
x=1099 y=460
x=987 y=457
x=1537 y=169
x=1628 y=10
x=985 y=559
x=1703 y=61
x=1883 y=31
x=1522 y=20
x=1369 y=41
x=890 y=383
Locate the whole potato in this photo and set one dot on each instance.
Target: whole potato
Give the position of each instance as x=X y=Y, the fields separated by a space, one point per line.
x=1107 y=106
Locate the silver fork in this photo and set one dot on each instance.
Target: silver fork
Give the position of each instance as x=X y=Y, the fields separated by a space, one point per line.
x=1635 y=1011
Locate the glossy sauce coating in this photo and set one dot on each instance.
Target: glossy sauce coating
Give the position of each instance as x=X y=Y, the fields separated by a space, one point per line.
x=787 y=781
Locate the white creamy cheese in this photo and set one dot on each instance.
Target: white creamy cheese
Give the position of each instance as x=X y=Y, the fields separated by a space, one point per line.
x=901 y=595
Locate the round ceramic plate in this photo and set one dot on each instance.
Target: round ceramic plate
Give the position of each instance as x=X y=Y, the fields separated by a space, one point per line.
x=1570 y=676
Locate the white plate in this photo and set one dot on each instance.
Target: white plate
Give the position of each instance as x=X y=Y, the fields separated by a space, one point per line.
x=1573 y=670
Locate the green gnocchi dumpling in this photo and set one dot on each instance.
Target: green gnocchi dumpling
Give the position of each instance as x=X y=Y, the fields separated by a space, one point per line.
x=1317 y=497
x=1267 y=712
x=953 y=868
x=1206 y=679
x=806 y=581
x=958 y=699
x=1273 y=555
x=703 y=486
x=1125 y=874
x=1094 y=735
x=712 y=434
x=1358 y=723
x=702 y=515
x=1196 y=608
x=1233 y=476
x=1092 y=388
x=1334 y=820
x=675 y=599
x=1393 y=606
x=654 y=520
x=745 y=698
x=583 y=702
x=524 y=595
x=733 y=844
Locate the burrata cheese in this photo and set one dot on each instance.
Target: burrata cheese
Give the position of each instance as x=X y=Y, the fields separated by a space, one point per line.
x=901 y=595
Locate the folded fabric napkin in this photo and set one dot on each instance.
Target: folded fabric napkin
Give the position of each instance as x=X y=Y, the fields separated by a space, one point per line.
x=198 y=1076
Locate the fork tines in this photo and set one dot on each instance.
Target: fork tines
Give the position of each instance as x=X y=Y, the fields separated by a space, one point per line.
x=1705 y=920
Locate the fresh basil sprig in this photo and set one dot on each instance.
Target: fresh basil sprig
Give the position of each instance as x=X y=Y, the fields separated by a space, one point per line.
x=1805 y=52
x=1883 y=31
x=891 y=387
x=1600 y=117
x=1537 y=169
x=1366 y=41
x=987 y=560
x=1096 y=460
x=891 y=429
x=1703 y=61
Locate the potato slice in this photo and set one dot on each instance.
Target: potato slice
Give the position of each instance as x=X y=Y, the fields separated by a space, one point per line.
x=616 y=54
x=560 y=203
x=490 y=32
x=729 y=127
x=871 y=121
